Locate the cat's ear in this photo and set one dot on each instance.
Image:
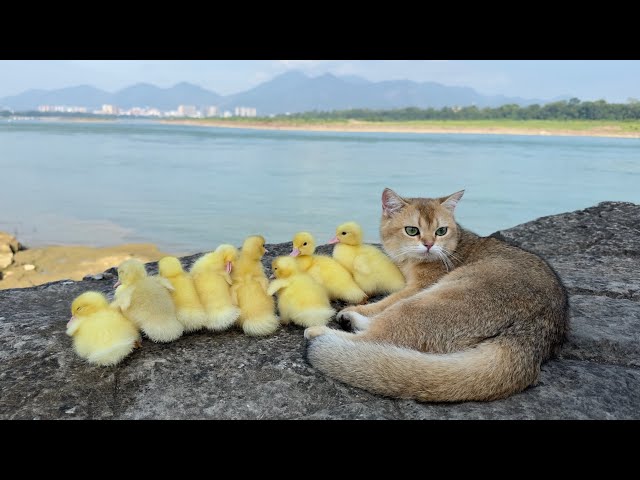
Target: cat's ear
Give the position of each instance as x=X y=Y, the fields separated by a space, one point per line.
x=392 y=203
x=451 y=201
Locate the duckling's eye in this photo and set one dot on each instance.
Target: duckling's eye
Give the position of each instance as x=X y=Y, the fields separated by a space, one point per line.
x=441 y=231
x=304 y=244
x=344 y=233
x=412 y=231
x=275 y=268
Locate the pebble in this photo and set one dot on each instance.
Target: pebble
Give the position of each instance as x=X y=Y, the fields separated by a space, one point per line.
x=29 y=267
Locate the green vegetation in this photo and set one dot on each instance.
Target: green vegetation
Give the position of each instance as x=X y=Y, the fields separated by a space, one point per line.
x=574 y=109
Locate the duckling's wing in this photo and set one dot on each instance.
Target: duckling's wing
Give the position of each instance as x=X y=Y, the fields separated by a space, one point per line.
x=165 y=283
x=276 y=285
x=264 y=283
x=361 y=265
x=122 y=298
x=234 y=293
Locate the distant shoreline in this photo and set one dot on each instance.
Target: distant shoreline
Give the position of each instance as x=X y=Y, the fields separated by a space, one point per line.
x=569 y=128
x=448 y=127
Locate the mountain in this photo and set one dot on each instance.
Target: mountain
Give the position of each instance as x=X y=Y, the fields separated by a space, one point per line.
x=146 y=95
x=139 y=95
x=290 y=92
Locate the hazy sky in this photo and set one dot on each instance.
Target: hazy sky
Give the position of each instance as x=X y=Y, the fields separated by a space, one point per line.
x=613 y=80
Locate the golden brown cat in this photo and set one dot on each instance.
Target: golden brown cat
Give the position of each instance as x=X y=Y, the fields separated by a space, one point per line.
x=475 y=322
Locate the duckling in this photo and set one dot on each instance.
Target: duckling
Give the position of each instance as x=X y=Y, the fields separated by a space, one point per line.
x=211 y=274
x=101 y=334
x=326 y=271
x=189 y=310
x=301 y=299
x=147 y=301
x=372 y=270
x=249 y=290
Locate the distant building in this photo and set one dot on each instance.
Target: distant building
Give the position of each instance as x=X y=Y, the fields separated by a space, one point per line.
x=187 y=111
x=245 y=112
x=61 y=109
x=211 y=111
x=110 y=110
x=227 y=114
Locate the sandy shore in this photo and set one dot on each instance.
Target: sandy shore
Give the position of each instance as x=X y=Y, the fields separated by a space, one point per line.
x=356 y=126
x=36 y=266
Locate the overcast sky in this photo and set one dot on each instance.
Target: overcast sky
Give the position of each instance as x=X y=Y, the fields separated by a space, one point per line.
x=613 y=80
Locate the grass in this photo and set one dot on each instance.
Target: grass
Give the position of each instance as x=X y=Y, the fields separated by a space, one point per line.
x=585 y=126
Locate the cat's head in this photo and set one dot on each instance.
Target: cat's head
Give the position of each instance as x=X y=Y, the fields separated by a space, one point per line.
x=422 y=229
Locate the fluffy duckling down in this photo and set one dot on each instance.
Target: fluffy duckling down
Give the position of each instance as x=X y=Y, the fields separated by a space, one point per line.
x=101 y=334
x=372 y=270
x=249 y=290
x=211 y=275
x=336 y=279
x=147 y=302
x=301 y=299
x=189 y=310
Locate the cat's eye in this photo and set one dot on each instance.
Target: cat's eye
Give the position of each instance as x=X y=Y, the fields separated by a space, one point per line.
x=412 y=231
x=304 y=244
x=441 y=231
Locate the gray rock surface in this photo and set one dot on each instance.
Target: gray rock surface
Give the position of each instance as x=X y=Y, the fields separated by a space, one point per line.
x=596 y=251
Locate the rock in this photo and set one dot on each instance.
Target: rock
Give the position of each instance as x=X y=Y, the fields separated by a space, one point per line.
x=229 y=375
x=6 y=256
x=11 y=242
x=28 y=267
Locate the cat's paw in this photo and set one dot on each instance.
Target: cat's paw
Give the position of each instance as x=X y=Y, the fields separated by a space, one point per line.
x=350 y=320
x=313 y=332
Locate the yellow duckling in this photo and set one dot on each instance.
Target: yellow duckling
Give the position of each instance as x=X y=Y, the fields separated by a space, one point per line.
x=301 y=299
x=372 y=270
x=146 y=301
x=325 y=270
x=211 y=275
x=101 y=334
x=189 y=310
x=249 y=290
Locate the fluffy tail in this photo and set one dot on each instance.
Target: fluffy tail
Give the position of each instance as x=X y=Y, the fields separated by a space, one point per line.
x=222 y=319
x=353 y=295
x=168 y=331
x=312 y=317
x=489 y=371
x=262 y=325
x=191 y=318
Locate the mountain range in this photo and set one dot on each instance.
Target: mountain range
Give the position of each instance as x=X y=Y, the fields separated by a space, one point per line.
x=290 y=92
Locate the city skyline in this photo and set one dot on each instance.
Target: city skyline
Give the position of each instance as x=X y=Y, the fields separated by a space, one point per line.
x=611 y=80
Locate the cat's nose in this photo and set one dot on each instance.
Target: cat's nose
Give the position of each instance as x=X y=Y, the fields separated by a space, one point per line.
x=428 y=245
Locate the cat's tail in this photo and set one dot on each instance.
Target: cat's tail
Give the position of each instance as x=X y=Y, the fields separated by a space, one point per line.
x=488 y=371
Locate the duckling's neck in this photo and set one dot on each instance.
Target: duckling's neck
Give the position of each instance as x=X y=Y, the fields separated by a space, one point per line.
x=304 y=262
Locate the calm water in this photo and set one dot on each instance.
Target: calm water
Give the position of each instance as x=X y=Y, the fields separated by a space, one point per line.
x=188 y=189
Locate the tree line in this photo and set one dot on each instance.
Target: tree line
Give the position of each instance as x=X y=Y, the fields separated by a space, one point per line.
x=574 y=109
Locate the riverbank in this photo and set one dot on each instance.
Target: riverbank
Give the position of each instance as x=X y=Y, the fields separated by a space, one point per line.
x=594 y=128
x=36 y=266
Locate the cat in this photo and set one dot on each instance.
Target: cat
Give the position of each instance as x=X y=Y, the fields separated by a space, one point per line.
x=475 y=321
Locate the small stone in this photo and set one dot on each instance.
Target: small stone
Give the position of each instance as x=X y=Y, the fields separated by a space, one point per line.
x=28 y=267
x=6 y=258
x=71 y=410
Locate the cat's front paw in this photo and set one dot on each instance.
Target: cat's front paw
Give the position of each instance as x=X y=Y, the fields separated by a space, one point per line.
x=351 y=320
x=313 y=332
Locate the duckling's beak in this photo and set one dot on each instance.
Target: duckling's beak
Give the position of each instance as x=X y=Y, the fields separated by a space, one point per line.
x=272 y=276
x=295 y=252
x=117 y=284
x=333 y=240
x=265 y=250
x=228 y=267
x=73 y=319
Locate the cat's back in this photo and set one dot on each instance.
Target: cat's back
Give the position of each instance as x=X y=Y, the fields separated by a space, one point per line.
x=497 y=258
